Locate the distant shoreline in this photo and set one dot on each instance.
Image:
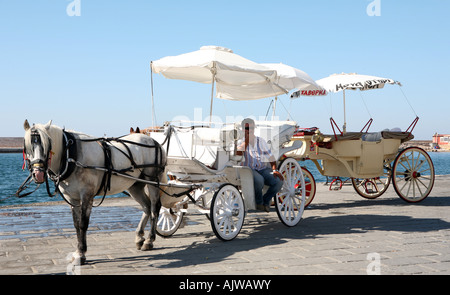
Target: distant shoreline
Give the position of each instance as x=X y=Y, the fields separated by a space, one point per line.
x=11 y=144
x=11 y=150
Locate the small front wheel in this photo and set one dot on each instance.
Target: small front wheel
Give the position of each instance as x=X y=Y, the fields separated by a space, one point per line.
x=372 y=188
x=227 y=212
x=168 y=222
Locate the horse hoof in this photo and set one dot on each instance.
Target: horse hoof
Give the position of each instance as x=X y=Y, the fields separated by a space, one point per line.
x=139 y=245
x=78 y=260
x=147 y=247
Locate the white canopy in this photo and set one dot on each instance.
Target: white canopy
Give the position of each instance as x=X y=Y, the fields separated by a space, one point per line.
x=342 y=82
x=353 y=81
x=236 y=78
x=292 y=78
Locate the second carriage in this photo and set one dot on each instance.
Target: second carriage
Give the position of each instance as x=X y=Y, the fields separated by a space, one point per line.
x=371 y=159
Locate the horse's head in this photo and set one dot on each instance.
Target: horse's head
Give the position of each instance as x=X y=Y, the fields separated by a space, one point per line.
x=37 y=148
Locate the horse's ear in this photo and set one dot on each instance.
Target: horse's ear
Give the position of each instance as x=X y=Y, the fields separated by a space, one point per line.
x=138 y=130
x=47 y=126
x=26 y=125
x=131 y=130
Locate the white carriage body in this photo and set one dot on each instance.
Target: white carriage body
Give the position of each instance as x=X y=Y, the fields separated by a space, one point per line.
x=207 y=156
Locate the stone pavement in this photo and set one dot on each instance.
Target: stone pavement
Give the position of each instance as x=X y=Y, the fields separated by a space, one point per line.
x=341 y=233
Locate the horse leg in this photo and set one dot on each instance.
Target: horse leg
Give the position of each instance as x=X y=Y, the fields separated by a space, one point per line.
x=153 y=194
x=81 y=215
x=139 y=240
x=137 y=193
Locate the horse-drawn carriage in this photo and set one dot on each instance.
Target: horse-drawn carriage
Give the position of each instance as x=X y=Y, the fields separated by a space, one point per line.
x=371 y=160
x=206 y=158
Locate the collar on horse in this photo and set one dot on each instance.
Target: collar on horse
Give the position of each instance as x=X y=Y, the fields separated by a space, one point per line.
x=70 y=152
x=67 y=164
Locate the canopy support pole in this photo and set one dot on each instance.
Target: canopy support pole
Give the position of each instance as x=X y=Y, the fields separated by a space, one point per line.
x=153 y=100
x=213 y=70
x=344 y=128
x=274 y=107
x=212 y=99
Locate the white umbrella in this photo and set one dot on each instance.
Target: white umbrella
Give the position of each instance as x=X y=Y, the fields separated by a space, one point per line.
x=236 y=78
x=292 y=78
x=352 y=81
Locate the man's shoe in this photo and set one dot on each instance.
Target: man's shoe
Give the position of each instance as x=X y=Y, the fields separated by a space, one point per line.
x=260 y=207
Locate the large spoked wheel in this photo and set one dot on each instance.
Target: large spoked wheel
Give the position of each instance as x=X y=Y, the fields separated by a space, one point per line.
x=310 y=186
x=290 y=201
x=168 y=222
x=227 y=212
x=372 y=188
x=413 y=174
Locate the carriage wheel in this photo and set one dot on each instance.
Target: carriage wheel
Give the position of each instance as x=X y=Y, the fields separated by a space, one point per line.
x=310 y=186
x=227 y=212
x=290 y=201
x=168 y=222
x=413 y=174
x=372 y=188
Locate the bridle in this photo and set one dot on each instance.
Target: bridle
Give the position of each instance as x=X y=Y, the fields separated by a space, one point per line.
x=40 y=164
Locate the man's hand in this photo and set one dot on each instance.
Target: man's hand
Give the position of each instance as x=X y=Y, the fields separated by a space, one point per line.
x=277 y=173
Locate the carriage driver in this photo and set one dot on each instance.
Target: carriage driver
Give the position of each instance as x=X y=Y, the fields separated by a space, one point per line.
x=258 y=157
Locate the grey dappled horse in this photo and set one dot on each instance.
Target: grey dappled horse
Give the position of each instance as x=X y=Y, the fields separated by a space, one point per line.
x=70 y=159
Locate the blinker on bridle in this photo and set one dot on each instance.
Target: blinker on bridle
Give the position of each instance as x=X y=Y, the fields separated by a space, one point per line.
x=36 y=139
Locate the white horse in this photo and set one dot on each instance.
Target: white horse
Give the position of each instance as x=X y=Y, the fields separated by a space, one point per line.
x=73 y=159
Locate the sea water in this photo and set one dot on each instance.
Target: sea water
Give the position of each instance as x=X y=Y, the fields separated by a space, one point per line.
x=12 y=176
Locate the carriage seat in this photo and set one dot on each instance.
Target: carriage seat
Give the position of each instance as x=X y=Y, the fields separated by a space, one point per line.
x=394 y=133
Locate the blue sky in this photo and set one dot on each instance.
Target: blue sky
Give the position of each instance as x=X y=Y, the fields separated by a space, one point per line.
x=91 y=72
